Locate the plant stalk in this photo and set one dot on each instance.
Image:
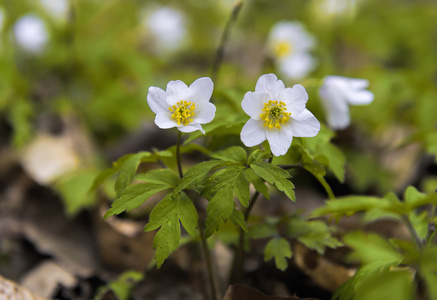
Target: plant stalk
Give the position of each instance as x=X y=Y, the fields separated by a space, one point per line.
x=218 y=59
x=178 y=155
x=208 y=262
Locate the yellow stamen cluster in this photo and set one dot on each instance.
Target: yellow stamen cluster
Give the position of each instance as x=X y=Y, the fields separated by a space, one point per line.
x=282 y=49
x=182 y=112
x=274 y=114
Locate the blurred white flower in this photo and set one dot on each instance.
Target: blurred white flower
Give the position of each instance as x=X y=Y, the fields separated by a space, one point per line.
x=2 y=18
x=277 y=114
x=47 y=158
x=31 y=33
x=168 y=27
x=290 y=45
x=181 y=106
x=337 y=93
x=339 y=9
x=58 y=9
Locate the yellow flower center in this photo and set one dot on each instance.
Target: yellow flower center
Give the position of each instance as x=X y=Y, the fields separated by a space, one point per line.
x=274 y=114
x=182 y=112
x=282 y=49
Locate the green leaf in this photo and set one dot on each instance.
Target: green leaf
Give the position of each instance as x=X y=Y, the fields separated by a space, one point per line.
x=237 y=218
x=166 y=216
x=196 y=174
x=321 y=149
x=124 y=284
x=219 y=209
x=232 y=154
x=128 y=169
x=314 y=234
x=74 y=190
x=386 y=285
x=159 y=176
x=431 y=286
x=372 y=249
x=278 y=248
x=135 y=195
x=258 y=155
x=257 y=182
x=275 y=176
x=231 y=176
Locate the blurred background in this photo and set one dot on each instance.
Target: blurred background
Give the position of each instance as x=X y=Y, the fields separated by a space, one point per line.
x=74 y=76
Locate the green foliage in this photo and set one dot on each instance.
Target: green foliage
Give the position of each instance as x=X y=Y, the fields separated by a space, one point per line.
x=74 y=190
x=122 y=286
x=275 y=176
x=166 y=216
x=278 y=248
x=135 y=195
x=313 y=234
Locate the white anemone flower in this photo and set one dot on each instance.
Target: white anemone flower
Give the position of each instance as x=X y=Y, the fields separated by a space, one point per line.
x=58 y=9
x=167 y=26
x=182 y=106
x=290 y=45
x=31 y=34
x=337 y=93
x=277 y=114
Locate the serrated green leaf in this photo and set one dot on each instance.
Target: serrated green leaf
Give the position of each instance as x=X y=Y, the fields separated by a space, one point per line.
x=220 y=209
x=196 y=174
x=278 y=248
x=237 y=218
x=313 y=234
x=128 y=170
x=166 y=216
x=133 y=196
x=258 y=155
x=232 y=154
x=257 y=182
x=276 y=176
x=231 y=176
x=160 y=176
x=372 y=249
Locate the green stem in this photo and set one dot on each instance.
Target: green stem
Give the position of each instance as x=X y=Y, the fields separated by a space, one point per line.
x=178 y=155
x=237 y=270
x=413 y=232
x=208 y=262
x=218 y=59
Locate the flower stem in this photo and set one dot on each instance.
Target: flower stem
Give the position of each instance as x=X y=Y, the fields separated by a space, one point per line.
x=208 y=261
x=237 y=270
x=178 y=155
x=218 y=59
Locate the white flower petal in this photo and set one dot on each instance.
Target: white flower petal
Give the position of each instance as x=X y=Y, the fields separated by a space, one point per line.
x=31 y=33
x=164 y=121
x=253 y=133
x=253 y=103
x=204 y=112
x=295 y=99
x=296 y=66
x=359 y=97
x=279 y=140
x=269 y=83
x=157 y=100
x=177 y=91
x=337 y=113
x=191 y=127
x=304 y=124
x=202 y=89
